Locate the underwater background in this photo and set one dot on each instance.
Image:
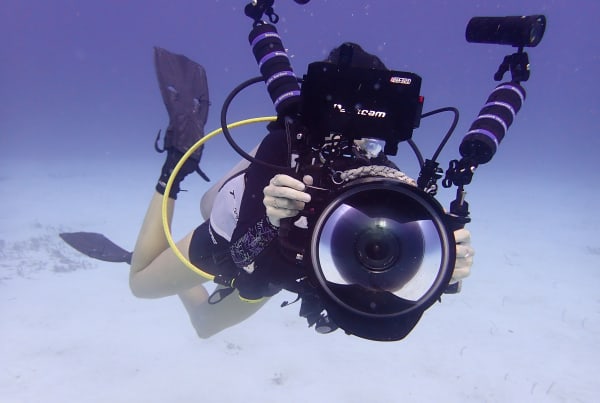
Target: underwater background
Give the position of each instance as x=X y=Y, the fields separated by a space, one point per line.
x=79 y=113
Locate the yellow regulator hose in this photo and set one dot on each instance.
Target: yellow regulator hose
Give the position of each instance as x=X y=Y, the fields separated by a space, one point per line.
x=165 y=220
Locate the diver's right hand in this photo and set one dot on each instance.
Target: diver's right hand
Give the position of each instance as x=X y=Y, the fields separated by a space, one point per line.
x=285 y=197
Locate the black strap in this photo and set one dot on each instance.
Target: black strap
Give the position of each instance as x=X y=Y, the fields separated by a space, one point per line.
x=220 y=294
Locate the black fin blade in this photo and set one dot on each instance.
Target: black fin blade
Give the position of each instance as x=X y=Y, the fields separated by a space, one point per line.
x=184 y=89
x=96 y=246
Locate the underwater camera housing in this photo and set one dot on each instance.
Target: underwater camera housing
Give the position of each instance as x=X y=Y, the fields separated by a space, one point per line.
x=374 y=248
x=377 y=250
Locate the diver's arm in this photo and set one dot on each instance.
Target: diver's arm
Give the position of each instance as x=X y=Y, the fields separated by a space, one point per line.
x=252 y=243
x=253 y=232
x=284 y=197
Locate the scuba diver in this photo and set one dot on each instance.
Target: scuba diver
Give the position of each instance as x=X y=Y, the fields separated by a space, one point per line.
x=236 y=242
x=319 y=210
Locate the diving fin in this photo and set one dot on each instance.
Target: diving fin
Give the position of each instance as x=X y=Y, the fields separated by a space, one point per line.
x=96 y=246
x=184 y=89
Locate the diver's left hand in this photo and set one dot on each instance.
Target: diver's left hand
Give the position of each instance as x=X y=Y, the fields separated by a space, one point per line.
x=464 y=255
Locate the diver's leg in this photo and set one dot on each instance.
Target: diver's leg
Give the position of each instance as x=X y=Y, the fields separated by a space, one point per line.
x=155 y=270
x=210 y=319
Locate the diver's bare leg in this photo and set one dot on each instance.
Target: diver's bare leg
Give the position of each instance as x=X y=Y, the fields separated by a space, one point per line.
x=156 y=272
x=209 y=320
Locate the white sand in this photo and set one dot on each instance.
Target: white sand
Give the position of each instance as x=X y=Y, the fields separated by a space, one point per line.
x=525 y=328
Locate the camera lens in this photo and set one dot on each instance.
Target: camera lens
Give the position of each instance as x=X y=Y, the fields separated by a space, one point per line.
x=377 y=248
x=379 y=238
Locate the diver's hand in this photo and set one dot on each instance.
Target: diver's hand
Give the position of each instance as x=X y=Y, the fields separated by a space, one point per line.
x=285 y=197
x=464 y=255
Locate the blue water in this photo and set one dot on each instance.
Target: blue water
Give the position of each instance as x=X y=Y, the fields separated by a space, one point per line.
x=81 y=74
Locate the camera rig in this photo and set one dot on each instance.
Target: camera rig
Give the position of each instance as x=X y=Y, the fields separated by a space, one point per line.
x=375 y=248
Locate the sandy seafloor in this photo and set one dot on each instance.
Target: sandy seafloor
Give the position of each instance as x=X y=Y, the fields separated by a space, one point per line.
x=526 y=327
